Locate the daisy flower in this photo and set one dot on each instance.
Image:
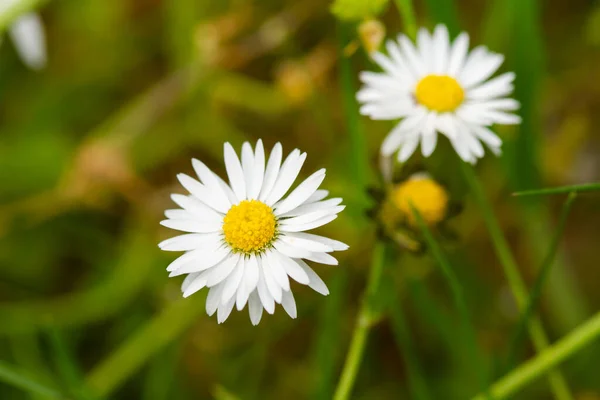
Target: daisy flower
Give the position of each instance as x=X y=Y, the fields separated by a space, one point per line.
x=438 y=86
x=245 y=239
x=27 y=34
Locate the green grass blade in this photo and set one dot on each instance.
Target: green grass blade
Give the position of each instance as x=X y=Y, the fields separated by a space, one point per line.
x=545 y=361
x=458 y=297
x=141 y=346
x=407 y=13
x=14 y=377
x=588 y=187
x=444 y=11
x=418 y=385
x=541 y=279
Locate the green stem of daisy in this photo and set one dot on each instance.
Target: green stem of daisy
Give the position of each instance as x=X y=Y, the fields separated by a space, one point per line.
x=367 y=316
x=8 y=15
x=536 y=289
x=588 y=187
x=546 y=360
x=407 y=13
x=513 y=276
x=141 y=346
x=457 y=294
x=14 y=377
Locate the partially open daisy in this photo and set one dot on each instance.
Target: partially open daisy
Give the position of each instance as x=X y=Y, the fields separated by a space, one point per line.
x=438 y=86
x=245 y=239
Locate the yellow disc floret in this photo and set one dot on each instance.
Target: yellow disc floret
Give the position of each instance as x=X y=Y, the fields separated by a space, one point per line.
x=249 y=226
x=440 y=93
x=425 y=195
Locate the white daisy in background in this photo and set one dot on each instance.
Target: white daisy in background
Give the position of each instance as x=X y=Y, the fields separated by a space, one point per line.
x=245 y=238
x=27 y=34
x=438 y=86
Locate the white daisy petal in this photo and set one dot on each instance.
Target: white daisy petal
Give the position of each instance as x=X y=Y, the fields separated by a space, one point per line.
x=267 y=273
x=333 y=244
x=307 y=208
x=187 y=242
x=196 y=207
x=255 y=308
x=408 y=148
x=301 y=193
x=309 y=225
x=198 y=283
x=210 y=181
x=412 y=56
x=288 y=173
x=428 y=143
x=27 y=33
x=213 y=299
x=277 y=270
x=271 y=172
x=224 y=311
x=317 y=196
x=192 y=226
x=196 y=261
x=292 y=268
x=204 y=194
x=458 y=54
x=188 y=280
x=258 y=171
x=442 y=43
x=497 y=87
x=263 y=292
x=290 y=251
x=289 y=304
x=220 y=272
x=322 y=258
x=248 y=167
x=249 y=282
x=305 y=243
x=231 y=284
x=315 y=283
x=235 y=172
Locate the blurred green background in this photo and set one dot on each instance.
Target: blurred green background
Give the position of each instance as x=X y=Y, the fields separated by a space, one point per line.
x=133 y=89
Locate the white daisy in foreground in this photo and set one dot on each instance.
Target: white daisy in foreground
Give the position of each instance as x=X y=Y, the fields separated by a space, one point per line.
x=438 y=86
x=27 y=33
x=245 y=239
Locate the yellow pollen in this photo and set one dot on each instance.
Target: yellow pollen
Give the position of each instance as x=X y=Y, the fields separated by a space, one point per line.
x=249 y=226
x=426 y=195
x=440 y=93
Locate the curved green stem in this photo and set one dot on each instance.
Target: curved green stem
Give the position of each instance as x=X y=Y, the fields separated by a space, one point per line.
x=546 y=360
x=13 y=377
x=407 y=13
x=588 y=187
x=367 y=315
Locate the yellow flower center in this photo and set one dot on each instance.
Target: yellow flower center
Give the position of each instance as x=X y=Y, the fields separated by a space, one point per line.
x=426 y=195
x=249 y=226
x=440 y=93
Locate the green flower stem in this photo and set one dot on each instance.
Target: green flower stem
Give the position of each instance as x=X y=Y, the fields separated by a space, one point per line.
x=517 y=286
x=407 y=13
x=367 y=316
x=15 y=9
x=546 y=360
x=141 y=346
x=14 y=377
x=536 y=290
x=588 y=187
x=457 y=294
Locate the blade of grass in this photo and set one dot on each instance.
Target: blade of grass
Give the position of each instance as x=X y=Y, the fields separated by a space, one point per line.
x=541 y=279
x=123 y=362
x=14 y=377
x=546 y=360
x=359 y=159
x=407 y=13
x=65 y=363
x=367 y=315
x=458 y=297
x=444 y=11
x=418 y=385
x=513 y=276
x=588 y=187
